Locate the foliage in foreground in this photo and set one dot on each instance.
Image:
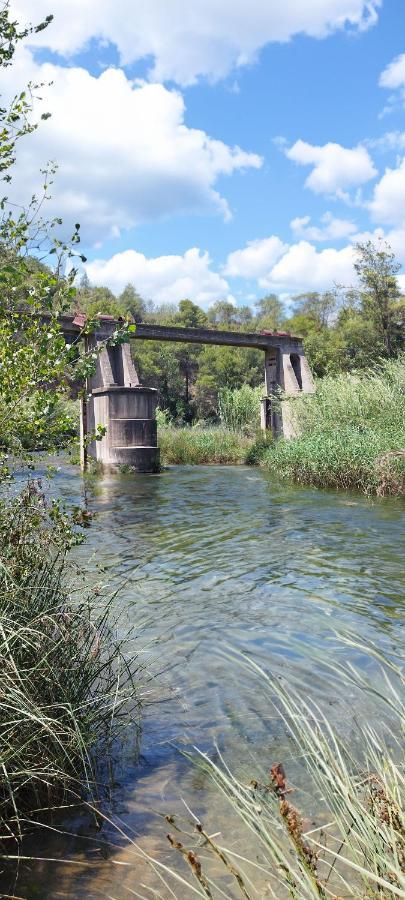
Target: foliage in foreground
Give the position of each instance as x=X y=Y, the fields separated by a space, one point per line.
x=358 y=851
x=351 y=433
x=66 y=686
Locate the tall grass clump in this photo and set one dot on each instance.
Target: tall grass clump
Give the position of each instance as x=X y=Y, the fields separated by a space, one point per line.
x=239 y=409
x=201 y=445
x=350 y=433
x=67 y=687
x=353 y=845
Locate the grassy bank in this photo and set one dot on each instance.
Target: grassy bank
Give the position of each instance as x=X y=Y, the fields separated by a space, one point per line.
x=202 y=445
x=66 y=685
x=351 y=434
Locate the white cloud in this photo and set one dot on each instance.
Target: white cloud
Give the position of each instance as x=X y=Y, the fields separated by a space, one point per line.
x=304 y=267
x=185 y=39
x=124 y=152
x=401 y=282
x=256 y=259
x=388 y=203
x=296 y=267
x=391 y=140
x=393 y=75
x=332 y=229
x=162 y=278
x=334 y=167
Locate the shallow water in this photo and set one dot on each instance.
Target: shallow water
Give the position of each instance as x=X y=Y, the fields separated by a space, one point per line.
x=214 y=560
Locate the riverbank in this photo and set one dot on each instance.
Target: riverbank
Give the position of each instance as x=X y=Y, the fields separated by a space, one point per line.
x=350 y=436
x=69 y=686
x=200 y=445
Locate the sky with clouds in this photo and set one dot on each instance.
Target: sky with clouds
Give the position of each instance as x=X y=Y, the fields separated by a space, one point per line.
x=219 y=148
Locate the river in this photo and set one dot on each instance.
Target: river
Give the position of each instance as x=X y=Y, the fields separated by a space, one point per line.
x=213 y=560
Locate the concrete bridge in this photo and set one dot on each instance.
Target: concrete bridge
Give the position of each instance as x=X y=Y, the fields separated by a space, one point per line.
x=127 y=409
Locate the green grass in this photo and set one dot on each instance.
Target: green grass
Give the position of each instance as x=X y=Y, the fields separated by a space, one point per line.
x=67 y=685
x=351 y=434
x=239 y=409
x=353 y=846
x=202 y=446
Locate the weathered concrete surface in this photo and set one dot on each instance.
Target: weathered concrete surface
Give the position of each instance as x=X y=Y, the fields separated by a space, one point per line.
x=128 y=414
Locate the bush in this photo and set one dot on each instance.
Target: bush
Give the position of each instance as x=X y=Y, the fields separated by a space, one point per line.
x=66 y=686
x=350 y=433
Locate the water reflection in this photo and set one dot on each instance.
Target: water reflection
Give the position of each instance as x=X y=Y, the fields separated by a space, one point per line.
x=211 y=558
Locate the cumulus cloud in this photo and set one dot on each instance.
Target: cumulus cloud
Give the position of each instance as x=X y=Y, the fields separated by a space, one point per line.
x=335 y=168
x=256 y=259
x=124 y=152
x=332 y=228
x=279 y=267
x=304 y=267
x=401 y=282
x=393 y=75
x=388 y=203
x=162 y=278
x=188 y=40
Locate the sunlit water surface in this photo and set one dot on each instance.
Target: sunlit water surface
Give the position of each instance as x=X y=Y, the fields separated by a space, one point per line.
x=211 y=561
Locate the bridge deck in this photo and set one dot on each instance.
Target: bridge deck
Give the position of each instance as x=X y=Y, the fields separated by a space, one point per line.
x=145 y=332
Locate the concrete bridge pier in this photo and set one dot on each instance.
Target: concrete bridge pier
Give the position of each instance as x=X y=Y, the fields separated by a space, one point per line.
x=286 y=369
x=126 y=410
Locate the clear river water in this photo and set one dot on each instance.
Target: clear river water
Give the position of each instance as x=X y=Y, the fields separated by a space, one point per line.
x=213 y=560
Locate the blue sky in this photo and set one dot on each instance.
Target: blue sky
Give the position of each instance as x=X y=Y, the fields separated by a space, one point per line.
x=149 y=103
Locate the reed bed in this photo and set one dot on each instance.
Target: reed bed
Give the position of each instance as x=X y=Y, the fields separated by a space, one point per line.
x=239 y=409
x=202 y=445
x=68 y=685
x=351 y=433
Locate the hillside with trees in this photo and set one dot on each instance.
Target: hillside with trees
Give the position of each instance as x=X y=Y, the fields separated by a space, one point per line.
x=344 y=329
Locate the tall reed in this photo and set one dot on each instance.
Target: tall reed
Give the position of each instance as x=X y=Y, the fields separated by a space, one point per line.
x=67 y=685
x=351 y=433
x=239 y=409
x=357 y=850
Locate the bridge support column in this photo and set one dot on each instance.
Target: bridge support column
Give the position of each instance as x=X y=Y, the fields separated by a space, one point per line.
x=286 y=371
x=124 y=408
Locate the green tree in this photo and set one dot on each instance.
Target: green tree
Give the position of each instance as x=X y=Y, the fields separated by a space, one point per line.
x=190 y=315
x=132 y=303
x=36 y=365
x=270 y=312
x=222 y=313
x=376 y=268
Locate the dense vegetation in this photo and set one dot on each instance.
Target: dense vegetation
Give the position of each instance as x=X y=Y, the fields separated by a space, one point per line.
x=67 y=684
x=345 y=329
x=64 y=679
x=350 y=433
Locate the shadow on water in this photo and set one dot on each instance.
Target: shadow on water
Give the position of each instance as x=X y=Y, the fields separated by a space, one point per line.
x=210 y=559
